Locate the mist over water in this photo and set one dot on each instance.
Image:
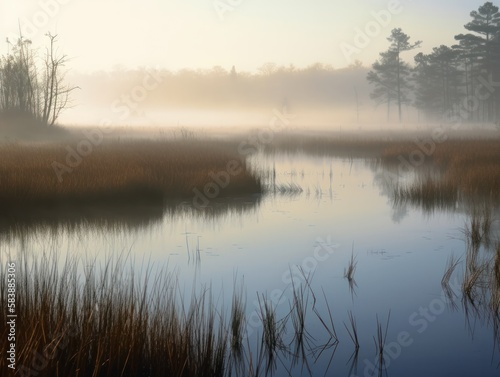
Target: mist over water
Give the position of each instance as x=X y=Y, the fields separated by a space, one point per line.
x=333 y=193
x=318 y=96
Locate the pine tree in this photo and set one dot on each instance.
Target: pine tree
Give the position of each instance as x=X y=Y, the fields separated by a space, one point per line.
x=400 y=42
x=383 y=78
x=391 y=75
x=438 y=80
x=481 y=50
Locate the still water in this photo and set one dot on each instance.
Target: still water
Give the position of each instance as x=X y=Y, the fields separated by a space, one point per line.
x=329 y=209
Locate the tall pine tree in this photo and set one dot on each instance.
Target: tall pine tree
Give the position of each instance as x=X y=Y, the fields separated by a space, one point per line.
x=438 y=82
x=480 y=48
x=391 y=75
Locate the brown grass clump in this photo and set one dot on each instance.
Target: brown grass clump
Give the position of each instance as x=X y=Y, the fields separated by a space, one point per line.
x=109 y=322
x=466 y=167
x=140 y=171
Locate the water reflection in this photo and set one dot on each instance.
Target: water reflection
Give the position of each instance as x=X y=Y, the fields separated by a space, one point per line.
x=401 y=249
x=477 y=290
x=408 y=190
x=480 y=283
x=115 y=219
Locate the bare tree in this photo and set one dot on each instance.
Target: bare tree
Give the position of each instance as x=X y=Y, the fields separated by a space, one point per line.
x=55 y=93
x=27 y=92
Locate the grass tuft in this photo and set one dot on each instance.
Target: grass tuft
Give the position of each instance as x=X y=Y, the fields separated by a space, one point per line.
x=147 y=172
x=351 y=268
x=353 y=331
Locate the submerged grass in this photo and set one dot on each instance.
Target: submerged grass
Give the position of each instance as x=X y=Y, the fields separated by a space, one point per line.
x=380 y=342
x=237 y=324
x=351 y=268
x=451 y=265
x=272 y=337
x=353 y=331
x=495 y=283
x=450 y=268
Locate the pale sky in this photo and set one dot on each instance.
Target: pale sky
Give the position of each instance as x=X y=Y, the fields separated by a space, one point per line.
x=173 y=34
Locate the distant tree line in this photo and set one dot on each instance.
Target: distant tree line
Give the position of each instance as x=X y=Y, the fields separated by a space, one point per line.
x=33 y=88
x=449 y=81
x=317 y=85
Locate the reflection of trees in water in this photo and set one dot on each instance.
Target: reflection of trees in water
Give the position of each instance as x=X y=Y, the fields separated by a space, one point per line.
x=384 y=180
x=399 y=212
x=115 y=218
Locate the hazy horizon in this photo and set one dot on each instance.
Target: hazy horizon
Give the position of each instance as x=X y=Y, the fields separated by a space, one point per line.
x=311 y=59
x=205 y=33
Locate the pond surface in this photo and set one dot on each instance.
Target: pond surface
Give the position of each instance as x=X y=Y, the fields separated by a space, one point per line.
x=268 y=244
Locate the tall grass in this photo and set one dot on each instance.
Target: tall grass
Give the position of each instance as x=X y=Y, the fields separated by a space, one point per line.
x=477 y=234
x=119 y=172
x=237 y=328
x=272 y=334
x=109 y=322
x=344 y=145
x=298 y=315
x=81 y=318
x=456 y=169
x=466 y=166
x=428 y=192
x=474 y=267
x=480 y=283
